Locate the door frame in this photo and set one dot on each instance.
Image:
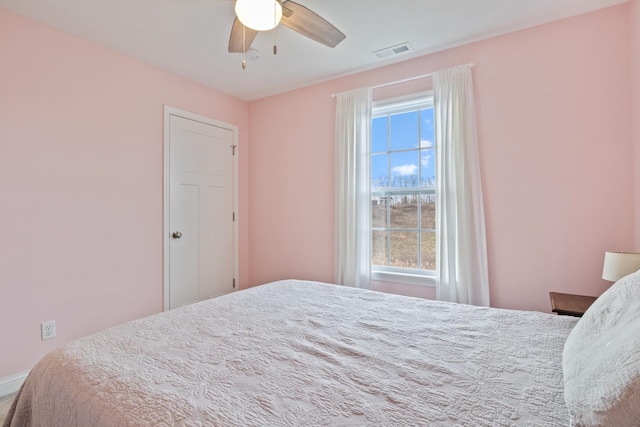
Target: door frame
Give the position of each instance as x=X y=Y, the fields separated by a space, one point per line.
x=172 y=111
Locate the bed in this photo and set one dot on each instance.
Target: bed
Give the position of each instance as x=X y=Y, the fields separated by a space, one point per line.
x=300 y=353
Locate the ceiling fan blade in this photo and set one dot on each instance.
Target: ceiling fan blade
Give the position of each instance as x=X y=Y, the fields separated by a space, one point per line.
x=310 y=24
x=235 y=39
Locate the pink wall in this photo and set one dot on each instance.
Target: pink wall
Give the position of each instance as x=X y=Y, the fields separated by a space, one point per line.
x=81 y=184
x=553 y=108
x=635 y=109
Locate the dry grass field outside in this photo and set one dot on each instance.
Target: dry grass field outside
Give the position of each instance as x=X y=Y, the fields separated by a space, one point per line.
x=403 y=244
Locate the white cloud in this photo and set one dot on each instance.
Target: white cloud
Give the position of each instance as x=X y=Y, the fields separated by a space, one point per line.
x=425 y=143
x=405 y=170
x=425 y=160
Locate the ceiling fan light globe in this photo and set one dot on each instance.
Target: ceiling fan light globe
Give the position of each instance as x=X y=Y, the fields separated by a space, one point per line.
x=259 y=15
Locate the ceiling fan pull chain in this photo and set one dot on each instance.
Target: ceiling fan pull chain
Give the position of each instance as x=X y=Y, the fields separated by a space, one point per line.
x=275 y=29
x=244 y=47
x=275 y=41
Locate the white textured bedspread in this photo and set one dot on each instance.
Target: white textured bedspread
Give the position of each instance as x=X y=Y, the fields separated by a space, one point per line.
x=297 y=353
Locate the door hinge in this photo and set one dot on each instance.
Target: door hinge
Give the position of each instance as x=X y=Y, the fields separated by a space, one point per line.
x=233 y=217
x=234 y=283
x=233 y=150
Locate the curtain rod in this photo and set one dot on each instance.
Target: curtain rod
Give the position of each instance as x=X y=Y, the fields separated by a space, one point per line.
x=409 y=79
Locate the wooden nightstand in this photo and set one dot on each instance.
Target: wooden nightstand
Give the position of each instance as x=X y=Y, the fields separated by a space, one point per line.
x=570 y=305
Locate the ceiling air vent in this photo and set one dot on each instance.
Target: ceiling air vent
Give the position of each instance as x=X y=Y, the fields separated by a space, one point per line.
x=393 y=50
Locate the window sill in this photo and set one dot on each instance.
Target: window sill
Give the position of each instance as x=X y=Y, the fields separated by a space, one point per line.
x=404 y=278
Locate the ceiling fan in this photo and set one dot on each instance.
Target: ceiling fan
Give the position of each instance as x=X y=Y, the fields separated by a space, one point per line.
x=262 y=15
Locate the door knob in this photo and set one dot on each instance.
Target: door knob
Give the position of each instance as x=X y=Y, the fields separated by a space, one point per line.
x=176 y=235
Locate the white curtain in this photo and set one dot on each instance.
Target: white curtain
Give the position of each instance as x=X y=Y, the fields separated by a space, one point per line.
x=353 y=202
x=461 y=254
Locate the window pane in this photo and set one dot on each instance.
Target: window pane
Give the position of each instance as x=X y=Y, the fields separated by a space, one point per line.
x=379 y=211
x=379 y=245
x=428 y=211
x=404 y=169
x=427 y=129
x=428 y=167
x=404 y=130
x=379 y=134
x=428 y=248
x=404 y=249
x=404 y=212
x=402 y=162
x=379 y=171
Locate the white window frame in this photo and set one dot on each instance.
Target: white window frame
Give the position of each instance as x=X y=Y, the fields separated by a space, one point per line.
x=398 y=105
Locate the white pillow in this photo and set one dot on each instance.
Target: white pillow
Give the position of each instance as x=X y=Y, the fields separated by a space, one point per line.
x=601 y=360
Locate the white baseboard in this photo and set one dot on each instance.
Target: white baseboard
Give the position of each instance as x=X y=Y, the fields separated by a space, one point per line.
x=12 y=384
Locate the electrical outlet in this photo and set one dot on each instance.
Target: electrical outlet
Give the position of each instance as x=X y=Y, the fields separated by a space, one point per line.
x=48 y=329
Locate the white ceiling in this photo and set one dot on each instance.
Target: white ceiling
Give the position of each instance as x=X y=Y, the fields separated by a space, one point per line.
x=189 y=37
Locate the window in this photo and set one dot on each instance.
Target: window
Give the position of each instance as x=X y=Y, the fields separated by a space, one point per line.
x=403 y=244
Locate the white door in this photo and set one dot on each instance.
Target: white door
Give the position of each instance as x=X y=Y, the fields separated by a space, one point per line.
x=201 y=253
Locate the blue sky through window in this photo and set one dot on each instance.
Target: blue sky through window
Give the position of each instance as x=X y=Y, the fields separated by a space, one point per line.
x=414 y=164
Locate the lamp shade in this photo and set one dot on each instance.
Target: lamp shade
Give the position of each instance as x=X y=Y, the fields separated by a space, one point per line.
x=259 y=15
x=619 y=264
